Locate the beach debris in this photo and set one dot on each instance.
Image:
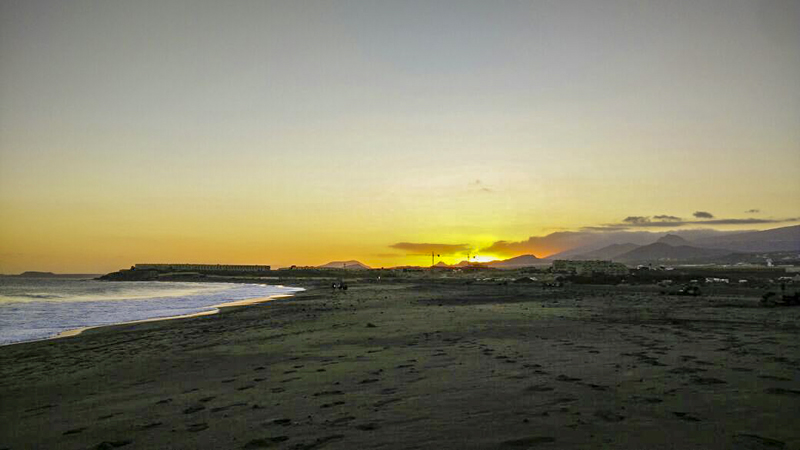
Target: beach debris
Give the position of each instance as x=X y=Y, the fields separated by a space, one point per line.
x=341 y=285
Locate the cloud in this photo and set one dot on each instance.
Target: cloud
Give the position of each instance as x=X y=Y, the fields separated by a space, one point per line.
x=703 y=215
x=752 y=211
x=665 y=221
x=478 y=186
x=661 y=220
x=745 y=221
x=665 y=217
x=636 y=219
x=426 y=249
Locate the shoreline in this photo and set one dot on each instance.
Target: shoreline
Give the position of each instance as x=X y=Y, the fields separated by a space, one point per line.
x=215 y=310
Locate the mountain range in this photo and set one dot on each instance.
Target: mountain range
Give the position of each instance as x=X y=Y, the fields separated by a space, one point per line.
x=671 y=247
x=676 y=248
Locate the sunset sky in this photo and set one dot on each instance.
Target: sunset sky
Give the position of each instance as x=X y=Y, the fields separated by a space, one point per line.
x=300 y=132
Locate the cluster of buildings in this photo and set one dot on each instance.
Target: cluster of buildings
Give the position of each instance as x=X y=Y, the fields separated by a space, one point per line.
x=201 y=267
x=590 y=268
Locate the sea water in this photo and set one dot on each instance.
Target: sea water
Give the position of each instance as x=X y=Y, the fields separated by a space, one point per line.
x=40 y=308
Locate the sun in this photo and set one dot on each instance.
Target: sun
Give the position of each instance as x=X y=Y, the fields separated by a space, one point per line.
x=483 y=258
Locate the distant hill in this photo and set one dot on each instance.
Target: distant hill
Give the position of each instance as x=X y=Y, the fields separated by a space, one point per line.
x=784 y=239
x=461 y=264
x=36 y=274
x=517 y=262
x=660 y=251
x=349 y=265
x=673 y=240
x=607 y=253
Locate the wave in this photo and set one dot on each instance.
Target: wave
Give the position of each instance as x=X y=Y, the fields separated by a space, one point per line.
x=117 y=294
x=30 y=312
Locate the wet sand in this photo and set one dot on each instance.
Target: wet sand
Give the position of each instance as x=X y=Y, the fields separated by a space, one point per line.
x=425 y=366
x=245 y=302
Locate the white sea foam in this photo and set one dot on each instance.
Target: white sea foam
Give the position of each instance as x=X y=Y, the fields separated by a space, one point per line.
x=40 y=308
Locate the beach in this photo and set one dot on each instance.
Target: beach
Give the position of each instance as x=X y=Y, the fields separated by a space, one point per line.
x=420 y=364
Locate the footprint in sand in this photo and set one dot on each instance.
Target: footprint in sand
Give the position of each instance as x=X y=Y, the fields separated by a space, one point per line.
x=755 y=442
x=538 y=388
x=227 y=407
x=265 y=442
x=707 y=381
x=773 y=377
x=327 y=393
x=380 y=403
x=682 y=370
x=781 y=391
x=194 y=428
x=319 y=442
x=193 y=409
x=608 y=416
x=527 y=442
x=566 y=378
x=109 y=445
x=342 y=420
x=329 y=405
x=685 y=416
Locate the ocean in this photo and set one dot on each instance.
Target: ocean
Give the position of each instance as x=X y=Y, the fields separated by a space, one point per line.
x=40 y=308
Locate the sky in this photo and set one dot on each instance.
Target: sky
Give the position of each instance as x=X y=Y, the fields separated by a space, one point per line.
x=299 y=132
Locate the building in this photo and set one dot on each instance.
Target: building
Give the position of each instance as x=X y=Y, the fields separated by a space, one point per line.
x=589 y=268
x=201 y=268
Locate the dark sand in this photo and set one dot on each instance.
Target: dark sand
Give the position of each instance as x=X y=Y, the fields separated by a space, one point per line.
x=426 y=366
